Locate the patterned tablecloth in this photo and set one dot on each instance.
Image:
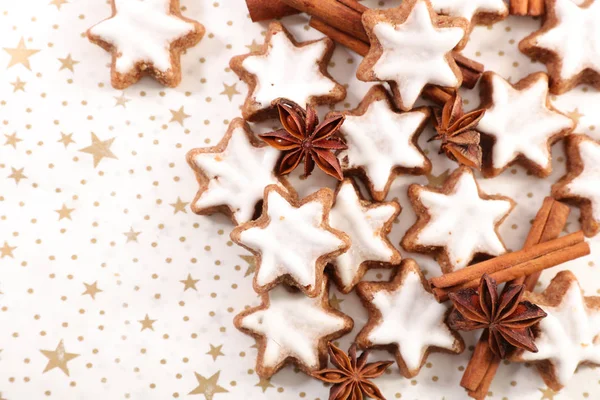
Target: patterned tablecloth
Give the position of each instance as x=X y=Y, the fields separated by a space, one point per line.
x=111 y=288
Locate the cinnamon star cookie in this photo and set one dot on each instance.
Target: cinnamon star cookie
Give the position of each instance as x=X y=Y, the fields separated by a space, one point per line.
x=292 y=240
x=382 y=142
x=568 y=336
x=568 y=43
x=581 y=184
x=367 y=224
x=145 y=37
x=520 y=123
x=234 y=173
x=456 y=222
x=411 y=46
x=290 y=327
x=477 y=12
x=406 y=319
x=285 y=68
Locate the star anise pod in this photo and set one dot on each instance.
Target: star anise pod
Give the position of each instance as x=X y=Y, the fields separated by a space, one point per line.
x=456 y=130
x=352 y=378
x=303 y=138
x=506 y=319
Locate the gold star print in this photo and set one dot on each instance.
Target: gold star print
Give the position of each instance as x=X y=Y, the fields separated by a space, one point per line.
x=547 y=394
x=64 y=212
x=67 y=63
x=179 y=206
x=147 y=323
x=575 y=114
x=253 y=47
x=18 y=85
x=190 y=283
x=99 y=149
x=208 y=387
x=229 y=90
x=131 y=235
x=335 y=302
x=264 y=384
x=58 y=358
x=121 y=100
x=58 y=3
x=20 y=54
x=251 y=260
x=92 y=289
x=17 y=174
x=178 y=116
x=215 y=351
x=438 y=180
x=66 y=139
x=7 y=250
x=12 y=140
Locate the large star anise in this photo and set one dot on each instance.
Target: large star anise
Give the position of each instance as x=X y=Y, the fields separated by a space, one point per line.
x=303 y=138
x=506 y=319
x=456 y=130
x=352 y=378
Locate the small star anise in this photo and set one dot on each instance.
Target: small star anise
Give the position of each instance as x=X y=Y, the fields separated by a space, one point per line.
x=303 y=138
x=506 y=319
x=456 y=130
x=352 y=378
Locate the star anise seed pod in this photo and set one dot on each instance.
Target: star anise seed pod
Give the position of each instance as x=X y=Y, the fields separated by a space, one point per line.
x=456 y=130
x=303 y=138
x=352 y=378
x=506 y=319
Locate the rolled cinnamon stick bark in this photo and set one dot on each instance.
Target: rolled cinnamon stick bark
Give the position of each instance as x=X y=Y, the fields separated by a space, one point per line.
x=262 y=10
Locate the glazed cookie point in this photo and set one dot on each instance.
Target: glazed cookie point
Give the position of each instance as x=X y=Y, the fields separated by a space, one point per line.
x=146 y=38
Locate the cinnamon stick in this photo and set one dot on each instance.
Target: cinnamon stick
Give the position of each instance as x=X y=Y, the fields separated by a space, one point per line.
x=536 y=8
x=471 y=69
x=437 y=94
x=355 y=5
x=547 y=225
x=359 y=47
x=262 y=10
x=474 y=272
x=518 y=7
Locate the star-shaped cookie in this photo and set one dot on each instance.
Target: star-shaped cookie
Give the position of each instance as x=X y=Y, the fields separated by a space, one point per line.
x=477 y=12
x=520 y=123
x=568 y=336
x=457 y=221
x=406 y=319
x=292 y=240
x=411 y=46
x=367 y=224
x=382 y=142
x=234 y=173
x=568 y=43
x=581 y=184
x=285 y=68
x=145 y=37
x=290 y=327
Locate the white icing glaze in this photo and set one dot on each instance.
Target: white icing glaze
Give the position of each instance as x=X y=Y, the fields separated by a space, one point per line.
x=569 y=335
x=238 y=175
x=575 y=38
x=587 y=184
x=412 y=319
x=380 y=140
x=521 y=123
x=292 y=326
x=292 y=241
x=289 y=71
x=414 y=53
x=462 y=222
x=142 y=30
x=363 y=225
x=468 y=8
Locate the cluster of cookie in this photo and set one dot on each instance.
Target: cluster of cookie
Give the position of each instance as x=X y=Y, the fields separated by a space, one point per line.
x=410 y=47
